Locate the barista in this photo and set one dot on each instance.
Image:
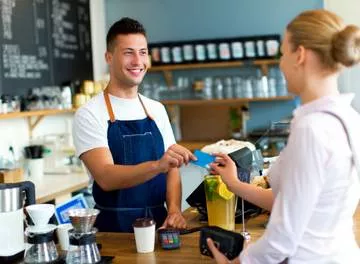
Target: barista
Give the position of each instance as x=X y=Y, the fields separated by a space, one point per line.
x=126 y=142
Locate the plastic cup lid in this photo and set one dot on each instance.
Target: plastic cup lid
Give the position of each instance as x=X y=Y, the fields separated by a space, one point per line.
x=143 y=222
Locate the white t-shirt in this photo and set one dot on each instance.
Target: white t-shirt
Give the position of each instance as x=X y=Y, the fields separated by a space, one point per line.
x=316 y=190
x=91 y=120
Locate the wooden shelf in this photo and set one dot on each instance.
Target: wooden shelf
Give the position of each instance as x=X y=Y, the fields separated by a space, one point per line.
x=226 y=64
x=35 y=113
x=225 y=101
x=167 y=69
x=34 y=117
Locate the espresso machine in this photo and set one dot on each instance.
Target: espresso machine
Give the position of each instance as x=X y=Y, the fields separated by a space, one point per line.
x=12 y=197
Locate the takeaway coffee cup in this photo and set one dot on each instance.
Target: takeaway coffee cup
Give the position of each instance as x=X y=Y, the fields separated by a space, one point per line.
x=144 y=230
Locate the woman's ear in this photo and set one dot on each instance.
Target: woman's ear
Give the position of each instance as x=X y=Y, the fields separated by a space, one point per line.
x=300 y=55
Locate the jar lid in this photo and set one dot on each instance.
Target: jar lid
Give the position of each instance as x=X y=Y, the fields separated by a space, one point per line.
x=143 y=222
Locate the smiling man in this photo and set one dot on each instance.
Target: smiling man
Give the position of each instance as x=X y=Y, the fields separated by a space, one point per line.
x=126 y=142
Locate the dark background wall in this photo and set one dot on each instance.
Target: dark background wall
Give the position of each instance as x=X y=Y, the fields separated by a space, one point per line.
x=43 y=43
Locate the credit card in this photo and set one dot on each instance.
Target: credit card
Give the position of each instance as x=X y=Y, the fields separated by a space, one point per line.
x=203 y=159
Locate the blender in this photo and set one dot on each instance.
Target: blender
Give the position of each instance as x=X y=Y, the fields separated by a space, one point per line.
x=83 y=247
x=40 y=246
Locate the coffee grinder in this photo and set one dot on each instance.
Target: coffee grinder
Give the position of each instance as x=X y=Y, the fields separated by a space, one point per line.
x=83 y=247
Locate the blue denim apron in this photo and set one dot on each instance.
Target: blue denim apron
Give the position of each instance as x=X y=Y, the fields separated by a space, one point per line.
x=132 y=142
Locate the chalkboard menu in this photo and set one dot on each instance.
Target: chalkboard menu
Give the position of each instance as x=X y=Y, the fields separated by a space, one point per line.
x=42 y=43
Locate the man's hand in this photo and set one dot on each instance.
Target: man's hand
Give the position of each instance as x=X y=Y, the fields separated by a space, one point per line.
x=174 y=157
x=218 y=256
x=174 y=220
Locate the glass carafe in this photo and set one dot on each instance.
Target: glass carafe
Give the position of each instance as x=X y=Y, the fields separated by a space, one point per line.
x=220 y=203
x=83 y=248
x=40 y=248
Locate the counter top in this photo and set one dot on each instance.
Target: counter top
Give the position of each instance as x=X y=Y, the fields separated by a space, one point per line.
x=53 y=186
x=122 y=245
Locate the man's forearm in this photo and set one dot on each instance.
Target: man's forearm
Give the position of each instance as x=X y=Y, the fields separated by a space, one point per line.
x=173 y=191
x=115 y=177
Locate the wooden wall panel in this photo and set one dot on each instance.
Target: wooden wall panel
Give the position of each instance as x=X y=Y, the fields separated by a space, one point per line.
x=205 y=123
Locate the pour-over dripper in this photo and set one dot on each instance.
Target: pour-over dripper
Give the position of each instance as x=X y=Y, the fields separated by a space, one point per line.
x=83 y=219
x=40 y=214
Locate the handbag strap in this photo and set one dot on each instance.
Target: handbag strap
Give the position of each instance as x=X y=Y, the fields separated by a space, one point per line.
x=350 y=140
x=351 y=145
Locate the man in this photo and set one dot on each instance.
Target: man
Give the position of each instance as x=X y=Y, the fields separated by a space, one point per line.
x=121 y=136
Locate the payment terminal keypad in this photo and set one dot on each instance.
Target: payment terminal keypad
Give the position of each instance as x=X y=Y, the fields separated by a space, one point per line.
x=169 y=238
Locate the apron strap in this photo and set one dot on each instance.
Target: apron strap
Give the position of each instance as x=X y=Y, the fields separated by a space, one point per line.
x=108 y=106
x=146 y=112
x=111 y=112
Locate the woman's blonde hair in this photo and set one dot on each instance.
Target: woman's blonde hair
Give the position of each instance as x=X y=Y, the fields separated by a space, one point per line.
x=326 y=34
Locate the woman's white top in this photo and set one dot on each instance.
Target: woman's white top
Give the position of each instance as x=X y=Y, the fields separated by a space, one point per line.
x=316 y=190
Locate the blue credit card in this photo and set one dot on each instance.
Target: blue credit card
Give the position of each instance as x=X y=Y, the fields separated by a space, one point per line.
x=203 y=159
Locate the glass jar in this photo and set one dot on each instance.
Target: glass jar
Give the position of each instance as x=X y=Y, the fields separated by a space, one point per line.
x=237 y=50
x=250 y=49
x=220 y=203
x=188 y=51
x=224 y=51
x=200 y=52
x=211 y=51
x=238 y=87
x=176 y=54
x=155 y=55
x=208 y=91
x=248 y=88
x=228 y=88
x=260 y=48
x=219 y=89
x=272 y=47
x=165 y=55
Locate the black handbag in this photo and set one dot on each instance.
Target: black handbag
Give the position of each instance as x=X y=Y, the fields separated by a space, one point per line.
x=229 y=243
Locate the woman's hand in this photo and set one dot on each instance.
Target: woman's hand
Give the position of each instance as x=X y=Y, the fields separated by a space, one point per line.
x=226 y=168
x=218 y=256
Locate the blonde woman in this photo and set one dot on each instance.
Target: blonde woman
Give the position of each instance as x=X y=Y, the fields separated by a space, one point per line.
x=315 y=185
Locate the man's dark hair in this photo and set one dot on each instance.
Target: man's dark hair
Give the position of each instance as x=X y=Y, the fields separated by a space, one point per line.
x=124 y=26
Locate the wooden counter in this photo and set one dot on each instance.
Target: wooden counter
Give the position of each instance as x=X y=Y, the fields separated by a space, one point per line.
x=122 y=245
x=59 y=187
